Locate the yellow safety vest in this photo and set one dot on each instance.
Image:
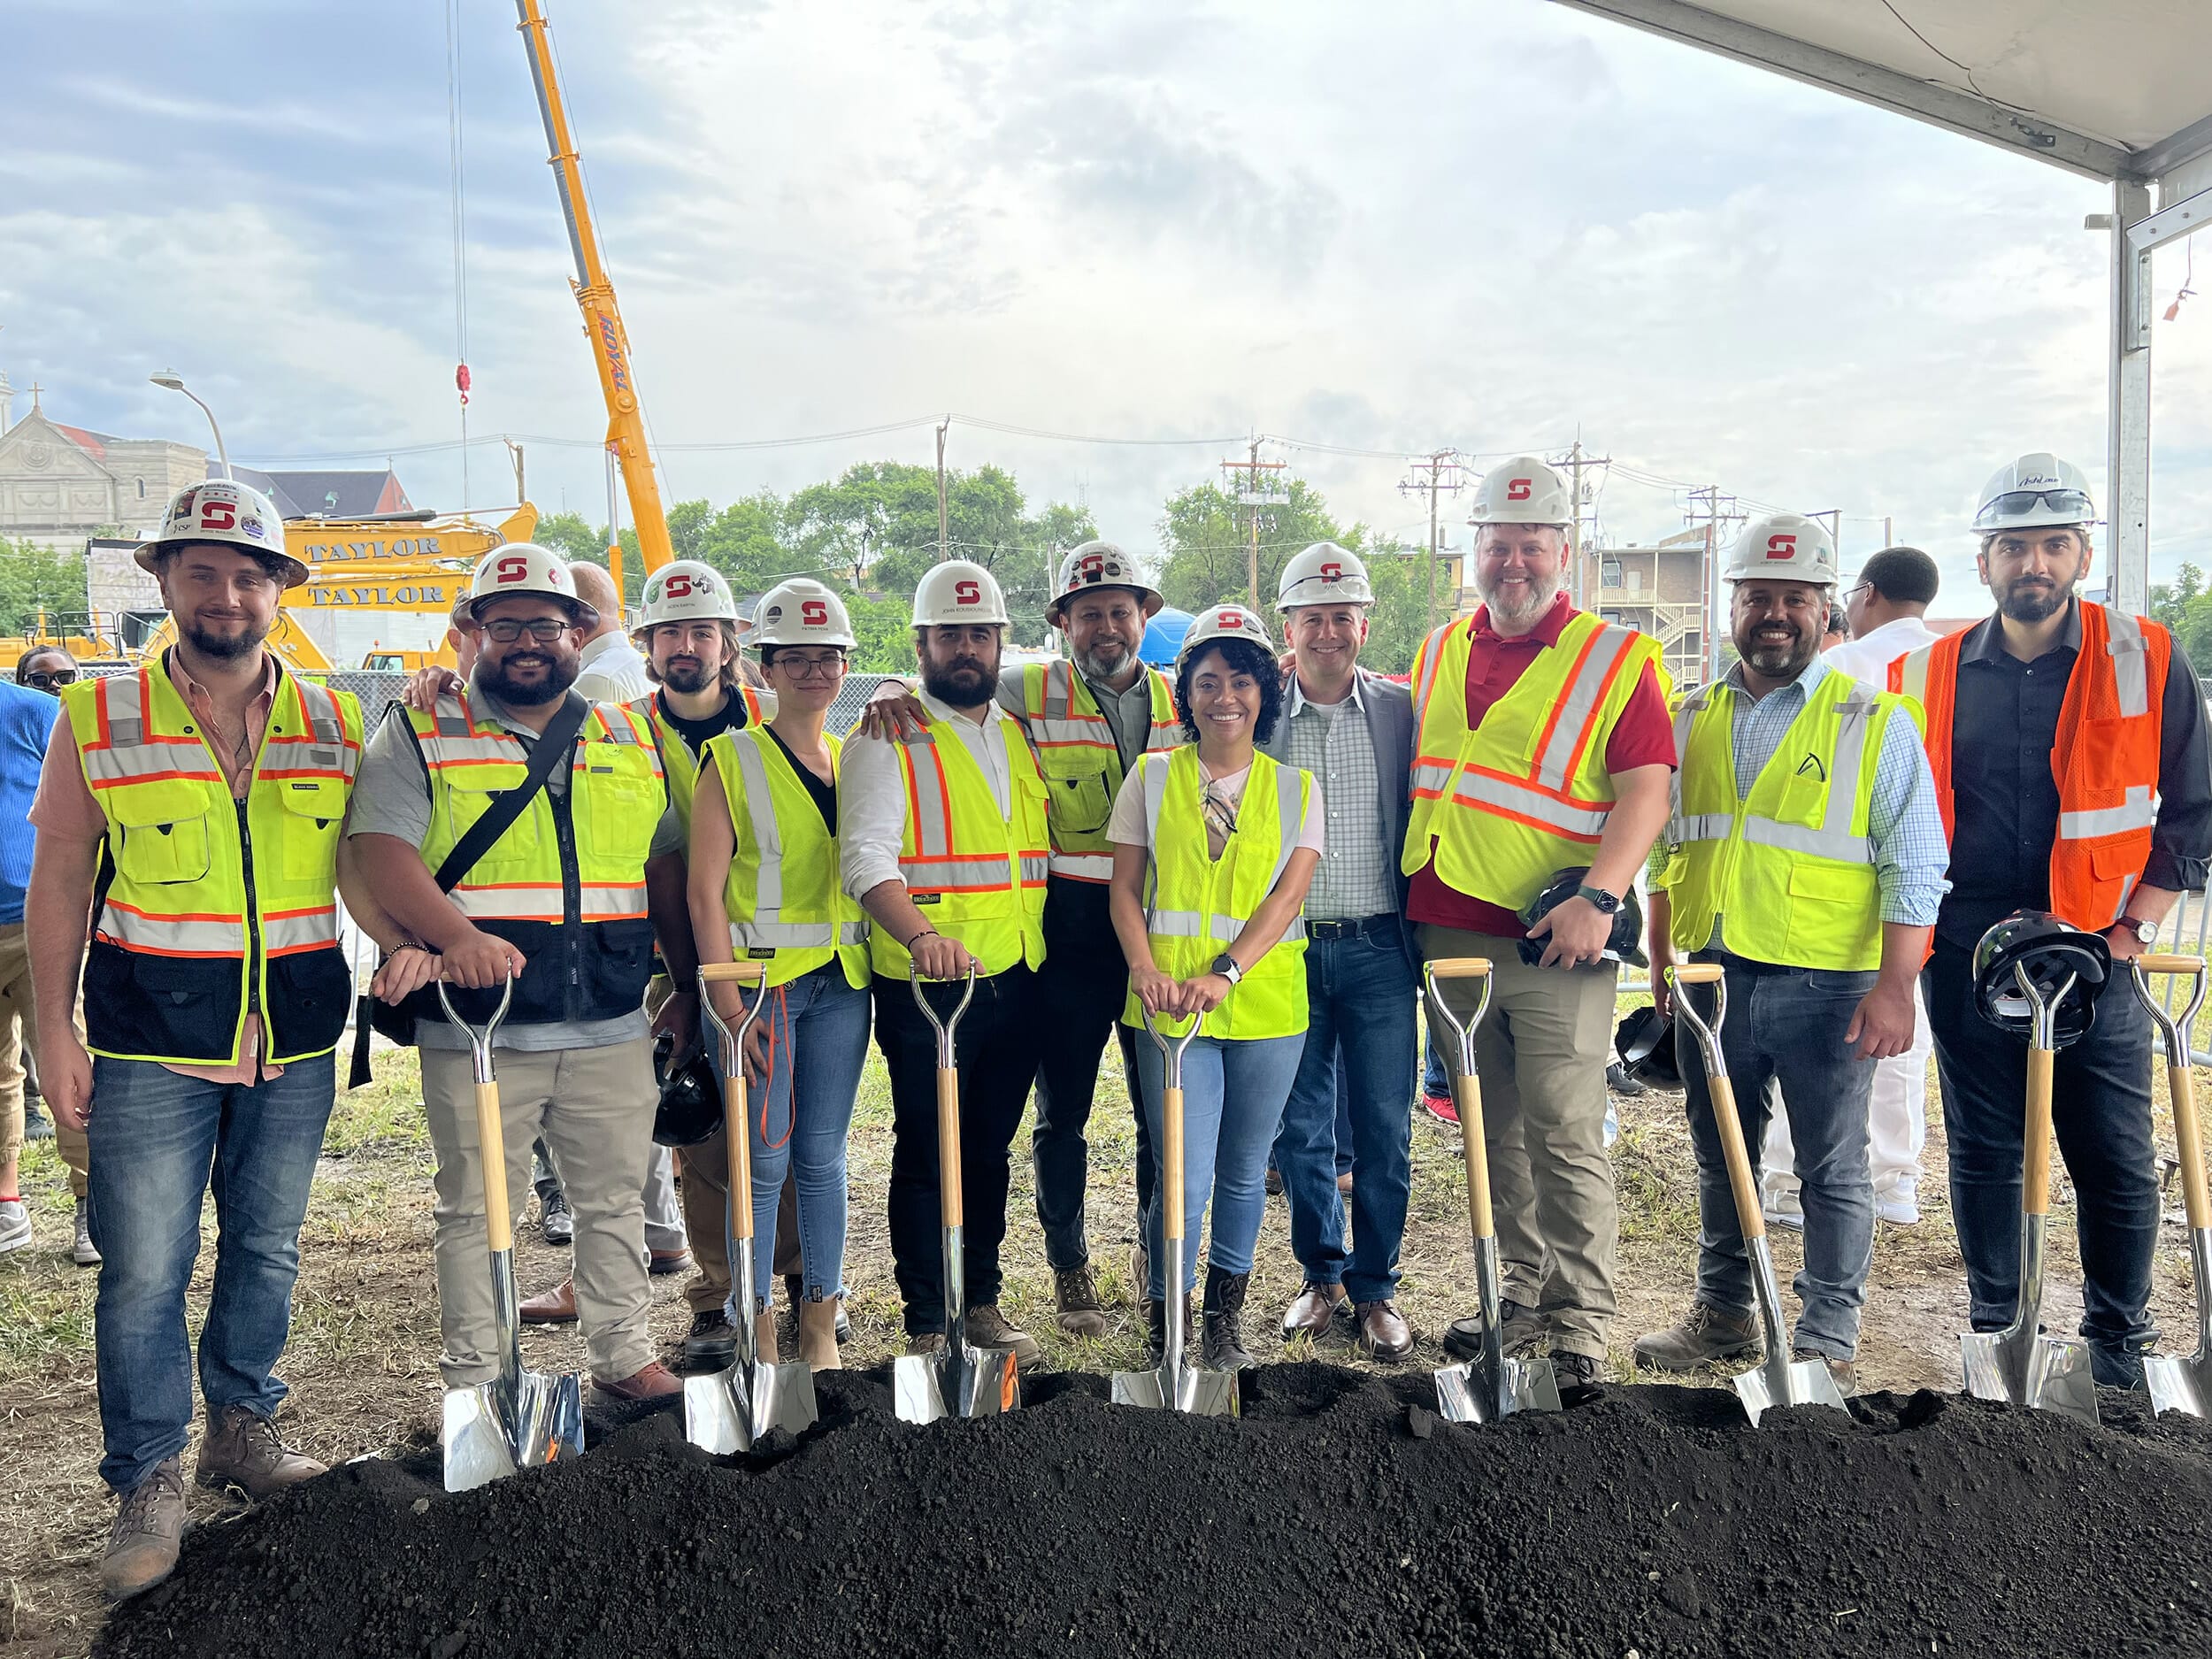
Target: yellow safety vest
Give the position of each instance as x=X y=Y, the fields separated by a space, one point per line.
x=582 y=853
x=978 y=877
x=785 y=903
x=1196 y=905
x=675 y=755
x=1081 y=764
x=1787 y=871
x=1527 y=794
x=209 y=908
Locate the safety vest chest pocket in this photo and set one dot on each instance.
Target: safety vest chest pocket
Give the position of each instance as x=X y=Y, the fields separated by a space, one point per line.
x=619 y=802
x=164 y=833
x=314 y=810
x=2107 y=754
x=1828 y=901
x=469 y=794
x=1082 y=802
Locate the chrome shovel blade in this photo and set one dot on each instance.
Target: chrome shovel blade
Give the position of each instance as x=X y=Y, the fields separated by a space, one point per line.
x=2020 y=1367
x=483 y=1441
x=1804 y=1382
x=728 y=1410
x=1464 y=1394
x=2178 y=1382
x=1197 y=1392
x=963 y=1381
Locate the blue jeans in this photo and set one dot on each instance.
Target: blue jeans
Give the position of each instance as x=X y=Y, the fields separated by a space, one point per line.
x=1436 y=1080
x=159 y=1143
x=800 y=1115
x=1359 y=996
x=1232 y=1102
x=1785 y=1027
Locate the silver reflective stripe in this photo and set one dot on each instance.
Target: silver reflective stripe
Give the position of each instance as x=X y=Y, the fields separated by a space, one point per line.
x=1432 y=778
x=2127 y=885
x=932 y=814
x=1581 y=701
x=1430 y=654
x=2131 y=664
x=453 y=720
x=1477 y=788
x=967 y=875
x=759 y=935
x=1176 y=923
x=1833 y=837
x=1083 y=866
x=126 y=717
x=1700 y=826
x=760 y=809
x=2139 y=811
x=1683 y=717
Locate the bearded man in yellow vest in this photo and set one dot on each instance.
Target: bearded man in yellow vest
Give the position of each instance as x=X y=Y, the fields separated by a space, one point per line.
x=1541 y=744
x=190 y=812
x=1805 y=855
x=942 y=838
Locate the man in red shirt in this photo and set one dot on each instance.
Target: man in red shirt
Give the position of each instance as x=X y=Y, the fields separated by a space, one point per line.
x=1543 y=746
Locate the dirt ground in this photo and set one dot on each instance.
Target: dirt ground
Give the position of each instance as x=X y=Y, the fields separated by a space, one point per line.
x=362 y=1363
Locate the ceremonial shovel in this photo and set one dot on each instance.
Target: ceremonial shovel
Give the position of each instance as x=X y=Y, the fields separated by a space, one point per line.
x=1776 y=1380
x=962 y=1381
x=1191 y=1388
x=520 y=1419
x=2184 y=1382
x=2019 y=1365
x=728 y=1409
x=1490 y=1387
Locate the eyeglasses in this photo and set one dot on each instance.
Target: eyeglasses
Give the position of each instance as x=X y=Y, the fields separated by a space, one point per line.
x=827 y=667
x=2019 y=500
x=544 y=630
x=1845 y=596
x=49 y=681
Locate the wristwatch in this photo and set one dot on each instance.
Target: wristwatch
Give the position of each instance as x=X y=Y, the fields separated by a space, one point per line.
x=1225 y=966
x=2147 y=932
x=1604 y=901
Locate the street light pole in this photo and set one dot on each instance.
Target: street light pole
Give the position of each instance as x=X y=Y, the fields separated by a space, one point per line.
x=171 y=381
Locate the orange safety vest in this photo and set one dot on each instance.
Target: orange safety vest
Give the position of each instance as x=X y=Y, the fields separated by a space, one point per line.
x=2104 y=755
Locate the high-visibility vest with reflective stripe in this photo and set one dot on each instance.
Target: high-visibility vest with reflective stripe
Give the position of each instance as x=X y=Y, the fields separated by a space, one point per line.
x=1196 y=905
x=1527 y=794
x=2104 y=756
x=675 y=755
x=1081 y=764
x=587 y=848
x=785 y=903
x=211 y=907
x=977 y=876
x=1788 y=869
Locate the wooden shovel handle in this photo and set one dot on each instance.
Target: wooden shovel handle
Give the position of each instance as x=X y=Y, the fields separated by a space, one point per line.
x=1698 y=973
x=1459 y=968
x=737 y=1133
x=743 y=973
x=1467 y=1095
x=1172 y=1167
x=2166 y=962
x=491 y=1146
x=1741 y=1182
x=951 y=1208
x=2035 y=1159
x=2189 y=1144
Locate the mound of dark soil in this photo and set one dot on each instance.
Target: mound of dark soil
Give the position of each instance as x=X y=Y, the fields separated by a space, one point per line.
x=1339 y=1516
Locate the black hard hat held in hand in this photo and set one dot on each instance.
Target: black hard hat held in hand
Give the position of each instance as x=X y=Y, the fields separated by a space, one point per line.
x=2051 y=952
x=1645 y=1043
x=1626 y=943
x=690 y=1109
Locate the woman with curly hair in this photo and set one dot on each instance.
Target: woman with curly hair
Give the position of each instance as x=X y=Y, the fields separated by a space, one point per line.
x=1214 y=845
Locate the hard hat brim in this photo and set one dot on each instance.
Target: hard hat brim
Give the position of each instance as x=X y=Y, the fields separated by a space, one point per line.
x=581 y=615
x=638 y=630
x=1151 y=601
x=147 y=556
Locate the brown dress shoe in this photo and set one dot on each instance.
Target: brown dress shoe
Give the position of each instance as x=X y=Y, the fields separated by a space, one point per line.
x=242 y=1452
x=148 y=1531
x=1383 y=1332
x=556 y=1306
x=1312 y=1308
x=655 y=1381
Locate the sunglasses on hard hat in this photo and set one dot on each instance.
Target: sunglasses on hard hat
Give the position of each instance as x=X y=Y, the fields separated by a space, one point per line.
x=2004 y=506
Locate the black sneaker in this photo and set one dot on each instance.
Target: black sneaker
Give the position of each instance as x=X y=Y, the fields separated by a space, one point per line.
x=1578 y=1376
x=36 y=1124
x=1617 y=1079
x=713 y=1339
x=1523 y=1332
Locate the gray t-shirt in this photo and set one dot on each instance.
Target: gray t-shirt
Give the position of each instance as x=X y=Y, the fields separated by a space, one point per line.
x=391 y=796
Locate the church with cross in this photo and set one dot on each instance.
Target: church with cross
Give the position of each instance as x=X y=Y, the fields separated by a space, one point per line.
x=60 y=484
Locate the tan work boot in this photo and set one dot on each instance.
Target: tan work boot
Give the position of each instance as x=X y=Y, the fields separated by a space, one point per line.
x=817 y=1334
x=148 y=1531
x=1706 y=1333
x=1075 y=1295
x=987 y=1327
x=765 y=1336
x=242 y=1451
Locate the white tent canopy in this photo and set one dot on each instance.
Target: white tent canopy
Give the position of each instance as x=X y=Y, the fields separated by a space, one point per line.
x=2113 y=89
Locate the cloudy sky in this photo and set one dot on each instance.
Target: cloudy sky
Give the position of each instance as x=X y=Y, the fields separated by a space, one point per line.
x=1494 y=225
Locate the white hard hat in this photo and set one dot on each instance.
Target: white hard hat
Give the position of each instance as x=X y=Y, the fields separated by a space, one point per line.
x=1100 y=565
x=801 y=611
x=684 y=591
x=2035 y=490
x=1782 y=547
x=1224 y=622
x=1524 y=490
x=958 y=593
x=1323 y=574
x=524 y=568
x=226 y=512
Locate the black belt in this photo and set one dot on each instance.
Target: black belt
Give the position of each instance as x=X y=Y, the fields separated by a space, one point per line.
x=1366 y=926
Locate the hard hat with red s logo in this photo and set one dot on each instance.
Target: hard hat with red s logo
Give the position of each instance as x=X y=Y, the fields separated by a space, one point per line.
x=1323 y=574
x=800 y=612
x=1784 y=547
x=226 y=512
x=1224 y=622
x=524 y=568
x=958 y=594
x=1099 y=565
x=684 y=591
x=1524 y=490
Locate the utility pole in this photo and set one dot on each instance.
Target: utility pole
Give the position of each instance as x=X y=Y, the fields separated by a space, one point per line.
x=1574 y=461
x=1708 y=506
x=1443 y=470
x=1252 y=498
x=944 y=519
x=1889 y=531
x=514 y=454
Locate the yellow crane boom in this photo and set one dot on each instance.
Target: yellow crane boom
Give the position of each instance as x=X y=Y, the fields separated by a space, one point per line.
x=602 y=321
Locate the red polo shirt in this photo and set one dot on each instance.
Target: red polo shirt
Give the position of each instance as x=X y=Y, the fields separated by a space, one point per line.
x=1643 y=736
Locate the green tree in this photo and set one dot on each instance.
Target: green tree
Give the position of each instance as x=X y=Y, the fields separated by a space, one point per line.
x=32 y=578
x=572 y=536
x=1206 y=535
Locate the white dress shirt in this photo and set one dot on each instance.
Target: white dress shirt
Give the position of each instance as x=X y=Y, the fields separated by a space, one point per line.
x=612 y=670
x=1868 y=659
x=872 y=791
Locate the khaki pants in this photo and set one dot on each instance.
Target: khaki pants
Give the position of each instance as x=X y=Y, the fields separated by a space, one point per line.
x=1542 y=1050
x=594 y=1109
x=705 y=1191
x=18 y=1036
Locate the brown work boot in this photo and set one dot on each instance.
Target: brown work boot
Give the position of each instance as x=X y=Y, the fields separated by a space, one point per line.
x=1311 y=1309
x=817 y=1334
x=1846 y=1373
x=987 y=1328
x=1383 y=1332
x=556 y=1306
x=923 y=1342
x=654 y=1382
x=1520 y=1330
x=148 y=1531
x=765 y=1337
x=1706 y=1333
x=1141 y=1277
x=1076 y=1295
x=241 y=1452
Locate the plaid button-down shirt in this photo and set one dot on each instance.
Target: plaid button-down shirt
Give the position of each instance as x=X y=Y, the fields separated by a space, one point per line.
x=1332 y=742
